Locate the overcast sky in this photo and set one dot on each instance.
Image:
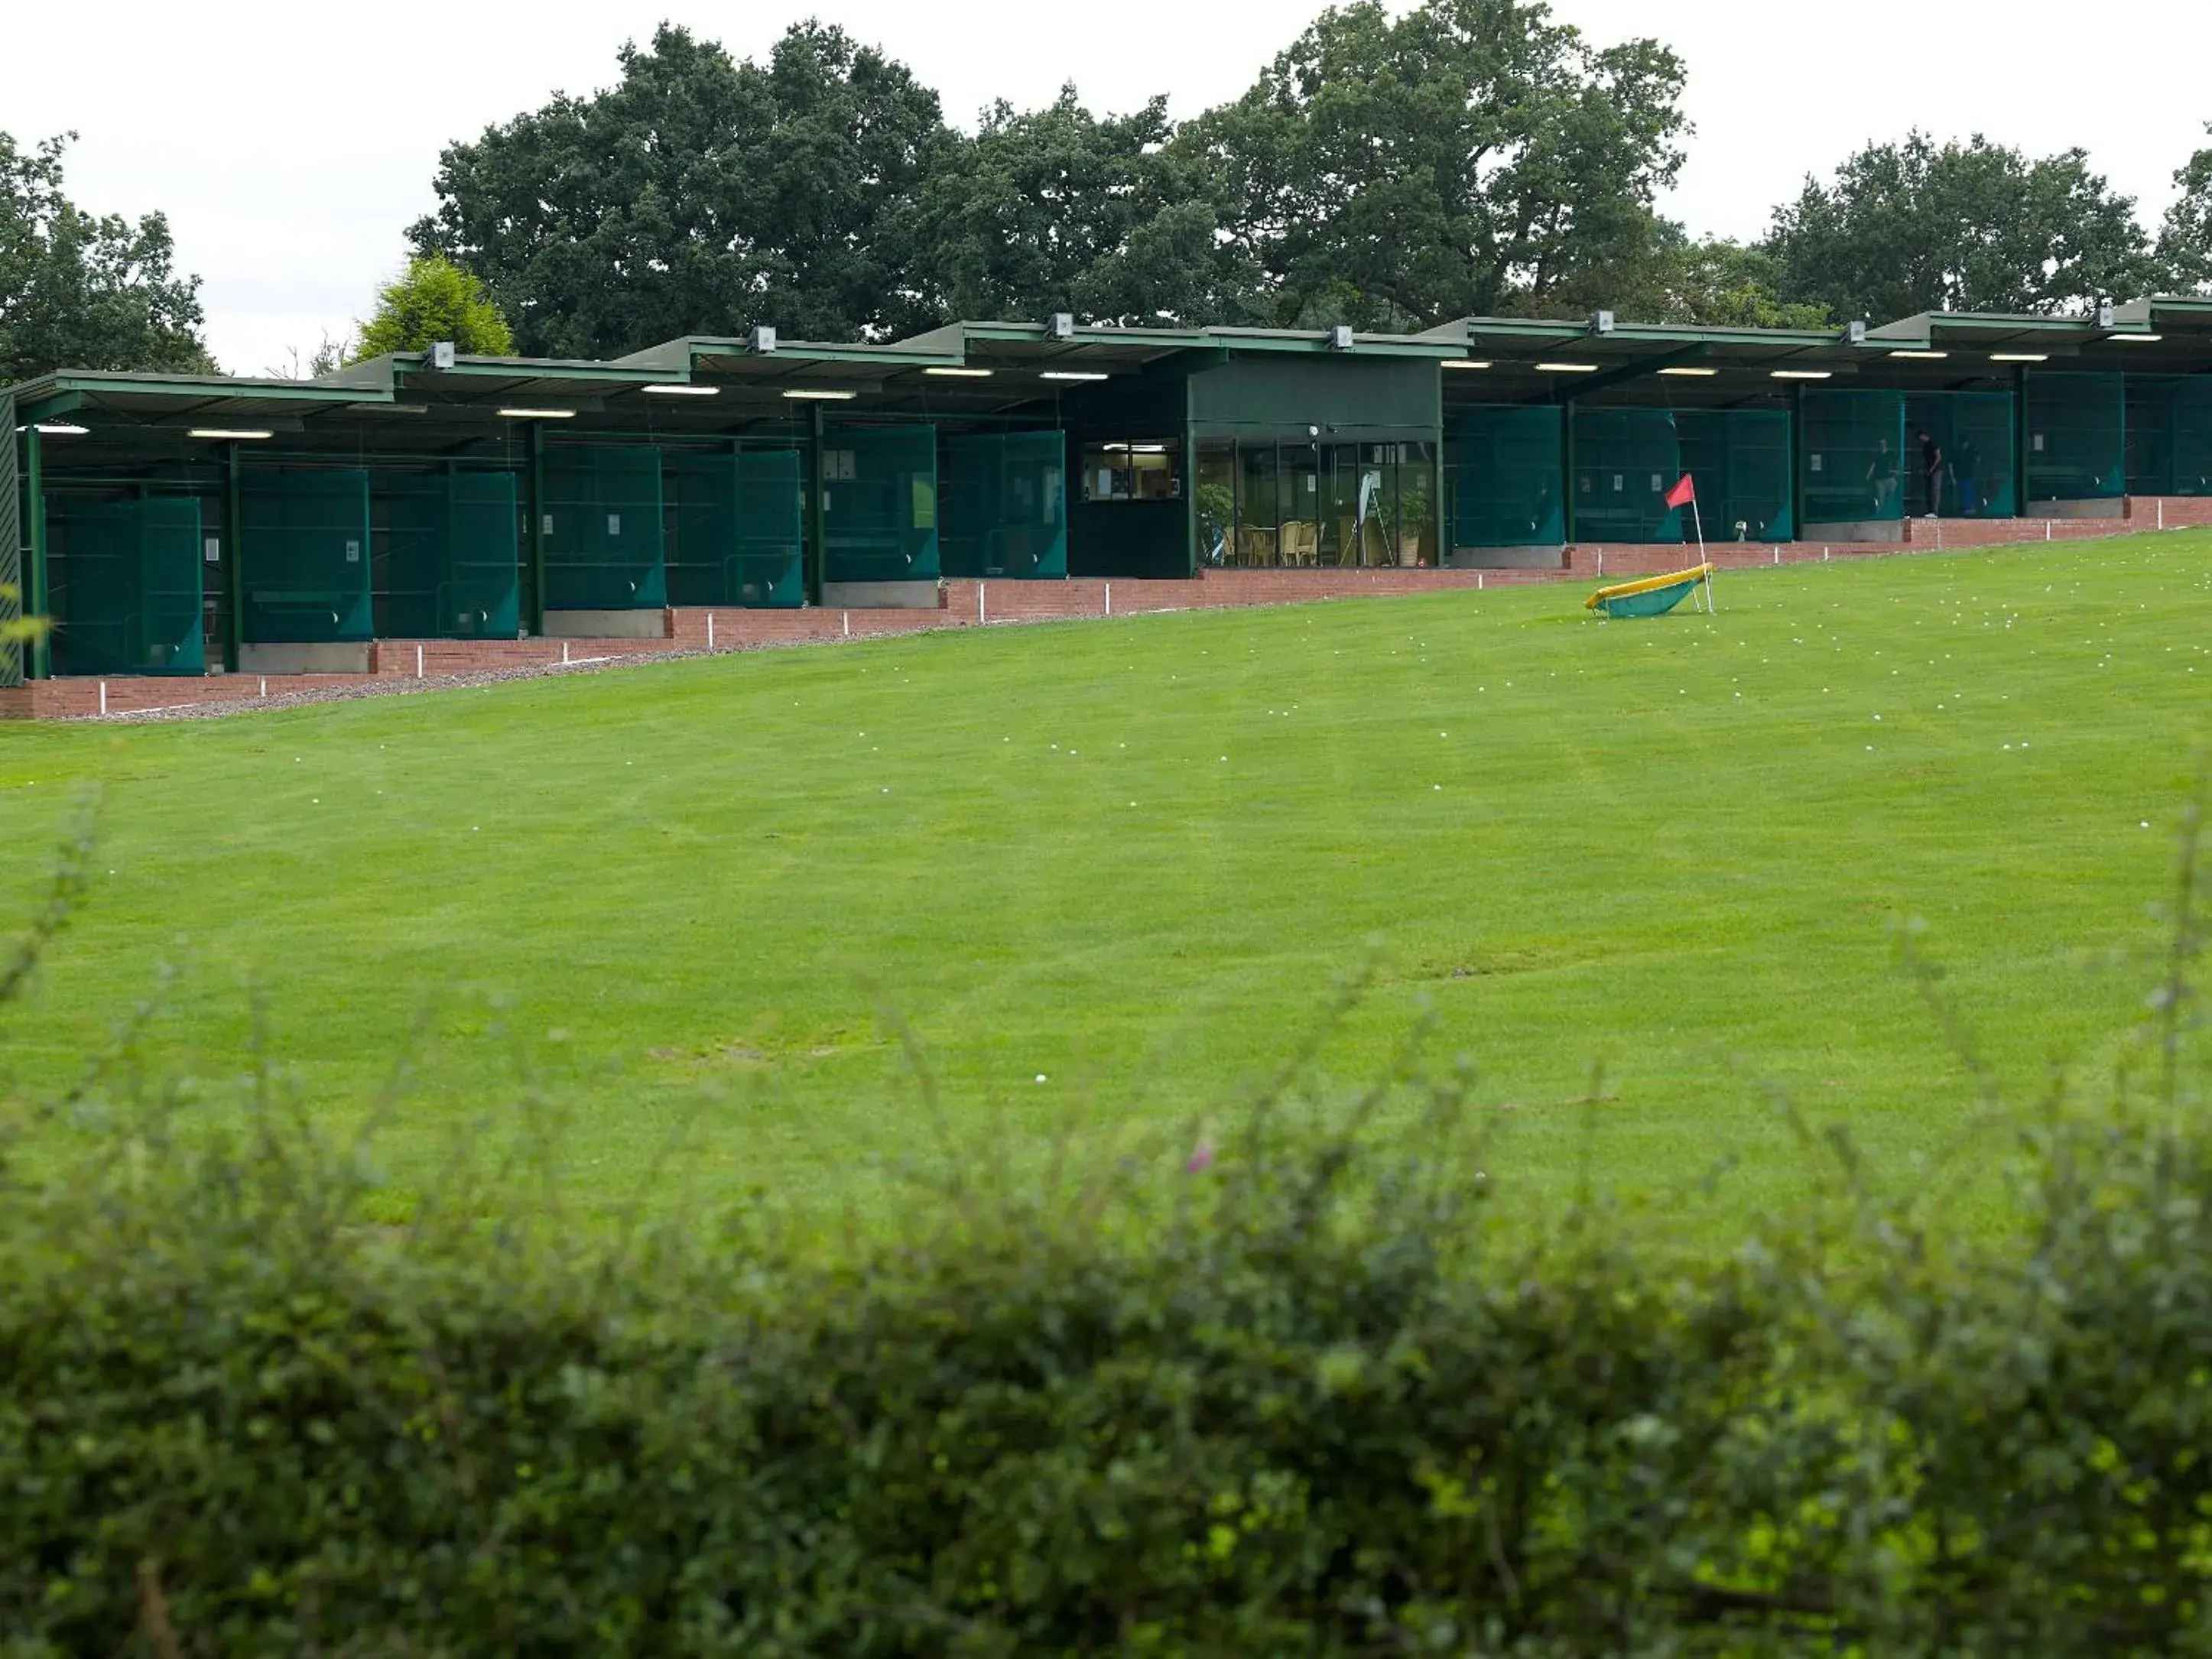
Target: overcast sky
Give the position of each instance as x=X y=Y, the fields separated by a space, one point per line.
x=291 y=143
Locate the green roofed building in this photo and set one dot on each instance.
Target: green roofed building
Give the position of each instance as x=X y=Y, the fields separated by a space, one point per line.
x=192 y=525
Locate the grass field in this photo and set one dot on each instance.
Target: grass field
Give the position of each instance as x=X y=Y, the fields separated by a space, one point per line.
x=1106 y=871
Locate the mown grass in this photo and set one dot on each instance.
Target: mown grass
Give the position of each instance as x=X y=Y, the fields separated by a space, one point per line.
x=1103 y=871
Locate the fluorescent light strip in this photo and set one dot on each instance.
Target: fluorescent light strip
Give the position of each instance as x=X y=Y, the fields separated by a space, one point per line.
x=2019 y=356
x=59 y=430
x=2136 y=339
x=1799 y=374
x=683 y=391
x=1467 y=363
x=228 y=434
x=960 y=373
x=1923 y=356
x=810 y=394
x=1566 y=369
x=536 y=414
x=1072 y=375
x=1691 y=374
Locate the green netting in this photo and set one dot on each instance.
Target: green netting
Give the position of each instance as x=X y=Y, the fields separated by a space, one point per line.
x=735 y=528
x=1972 y=432
x=305 y=569
x=122 y=585
x=879 y=504
x=1626 y=461
x=604 y=538
x=2077 y=437
x=2170 y=437
x=11 y=547
x=452 y=561
x=1006 y=504
x=1855 y=462
x=1502 y=478
x=1739 y=459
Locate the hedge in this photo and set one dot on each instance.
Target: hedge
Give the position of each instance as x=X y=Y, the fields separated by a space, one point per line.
x=1311 y=1395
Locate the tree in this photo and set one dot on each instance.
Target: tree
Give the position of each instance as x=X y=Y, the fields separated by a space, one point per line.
x=701 y=196
x=2185 y=237
x=80 y=291
x=1714 y=282
x=434 y=299
x=1911 y=226
x=1470 y=156
x=1056 y=210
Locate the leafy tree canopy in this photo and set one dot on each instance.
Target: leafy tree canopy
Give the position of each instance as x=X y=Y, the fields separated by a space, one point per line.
x=435 y=300
x=1469 y=156
x=80 y=292
x=701 y=196
x=2184 y=238
x=1058 y=210
x=1912 y=227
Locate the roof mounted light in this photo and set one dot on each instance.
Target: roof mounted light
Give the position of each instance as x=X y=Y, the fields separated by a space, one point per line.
x=1923 y=356
x=1566 y=369
x=676 y=390
x=1467 y=363
x=817 y=394
x=2019 y=356
x=229 y=435
x=950 y=373
x=1684 y=372
x=1800 y=373
x=536 y=414
x=1072 y=374
x=2136 y=339
x=59 y=430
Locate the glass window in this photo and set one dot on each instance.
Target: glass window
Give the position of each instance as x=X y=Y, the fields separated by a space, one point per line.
x=1139 y=470
x=1216 y=503
x=1258 y=512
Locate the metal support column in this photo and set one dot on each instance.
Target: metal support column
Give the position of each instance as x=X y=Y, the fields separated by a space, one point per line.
x=2021 y=450
x=1797 y=464
x=537 y=531
x=233 y=562
x=816 y=561
x=1442 y=555
x=1567 y=468
x=35 y=592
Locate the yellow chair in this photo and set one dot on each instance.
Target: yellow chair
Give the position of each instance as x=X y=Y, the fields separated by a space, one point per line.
x=1301 y=542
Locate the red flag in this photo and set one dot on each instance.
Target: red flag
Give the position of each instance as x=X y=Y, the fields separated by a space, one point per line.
x=1683 y=493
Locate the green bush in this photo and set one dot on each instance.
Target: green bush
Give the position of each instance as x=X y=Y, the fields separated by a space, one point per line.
x=1309 y=1396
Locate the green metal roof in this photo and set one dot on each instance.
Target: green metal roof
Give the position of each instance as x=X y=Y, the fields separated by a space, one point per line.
x=1013 y=368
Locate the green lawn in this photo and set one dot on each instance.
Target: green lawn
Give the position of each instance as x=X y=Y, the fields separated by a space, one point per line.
x=1109 y=870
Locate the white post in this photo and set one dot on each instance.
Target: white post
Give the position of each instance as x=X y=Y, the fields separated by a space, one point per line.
x=1478 y=581
x=264 y=685
x=1109 y=599
x=103 y=696
x=418 y=662
x=710 y=630
x=564 y=654
x=848 y=622
x=1698 y=519
x=982 y=615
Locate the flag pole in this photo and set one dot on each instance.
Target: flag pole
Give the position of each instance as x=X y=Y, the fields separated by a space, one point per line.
x=1698 y=519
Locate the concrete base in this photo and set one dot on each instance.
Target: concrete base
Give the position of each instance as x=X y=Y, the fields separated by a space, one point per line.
x=1858 y=530
x=1542 y=557
x=606 y=625
x=341 y=659
x=2110 y=508
x=879 y=596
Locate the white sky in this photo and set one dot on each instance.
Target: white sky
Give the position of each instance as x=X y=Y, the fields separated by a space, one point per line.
x=290 y=143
